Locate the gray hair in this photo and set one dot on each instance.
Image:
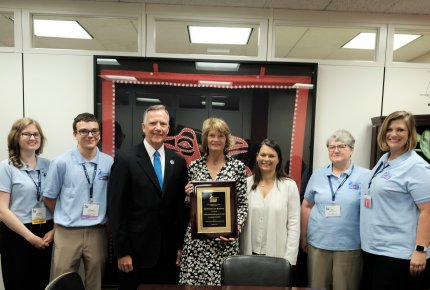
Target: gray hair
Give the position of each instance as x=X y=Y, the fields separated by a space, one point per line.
x=155 y=108
x=343 y=136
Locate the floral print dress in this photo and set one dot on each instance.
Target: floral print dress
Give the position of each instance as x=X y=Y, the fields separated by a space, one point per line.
x=202 y=259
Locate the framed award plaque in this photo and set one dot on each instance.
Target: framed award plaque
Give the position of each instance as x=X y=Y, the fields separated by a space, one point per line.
x=214 y=210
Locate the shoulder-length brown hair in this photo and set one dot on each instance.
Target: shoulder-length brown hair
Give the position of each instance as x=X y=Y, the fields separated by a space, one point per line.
x=219 y=125
x=279 y=172
x=409 y=120
x=14 y=136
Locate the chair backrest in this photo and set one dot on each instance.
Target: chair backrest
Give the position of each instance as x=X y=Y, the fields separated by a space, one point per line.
x=67 y=281
x=256 y=271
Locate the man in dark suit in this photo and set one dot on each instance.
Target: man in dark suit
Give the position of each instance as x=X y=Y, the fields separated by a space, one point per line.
x=146 y=206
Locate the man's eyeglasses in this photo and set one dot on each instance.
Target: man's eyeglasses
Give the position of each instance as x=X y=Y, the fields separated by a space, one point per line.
x=29 y=135
x=338 y=147
x=85 y=132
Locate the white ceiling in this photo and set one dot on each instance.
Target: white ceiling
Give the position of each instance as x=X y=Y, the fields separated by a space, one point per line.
x=291 y=42
x=421 y=7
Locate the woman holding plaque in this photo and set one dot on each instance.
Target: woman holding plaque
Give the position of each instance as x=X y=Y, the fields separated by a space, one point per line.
x=273 y=224
x=202 y=258
x=26 y=230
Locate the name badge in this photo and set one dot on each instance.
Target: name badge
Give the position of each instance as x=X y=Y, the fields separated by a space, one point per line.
x=38 y=215
x=367 y=199
x=90 y=211
x=332 y=210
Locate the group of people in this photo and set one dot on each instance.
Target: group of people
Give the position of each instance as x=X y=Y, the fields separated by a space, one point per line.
x=351 y=218
x=369 y=229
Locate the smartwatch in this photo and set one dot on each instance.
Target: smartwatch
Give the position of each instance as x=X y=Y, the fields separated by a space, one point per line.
x=420 y=248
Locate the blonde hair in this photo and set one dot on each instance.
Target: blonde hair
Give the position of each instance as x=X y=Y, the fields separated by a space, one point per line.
x=409 y=120
x=14 y=136
x=219 y=125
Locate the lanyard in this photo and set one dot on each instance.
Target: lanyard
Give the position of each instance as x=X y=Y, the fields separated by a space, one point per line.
x=38 y=185
x=91 y=183
x=333 y=193
x=377 y=172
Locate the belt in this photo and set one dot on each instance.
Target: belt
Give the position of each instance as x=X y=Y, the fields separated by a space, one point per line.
x=83 y=227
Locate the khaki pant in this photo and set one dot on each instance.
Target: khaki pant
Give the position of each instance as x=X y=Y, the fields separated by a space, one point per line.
x=86 y=243
x=334 y=270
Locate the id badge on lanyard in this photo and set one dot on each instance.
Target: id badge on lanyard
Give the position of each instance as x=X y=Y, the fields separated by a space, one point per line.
x=90 y=209
x=332 y=210
x=38 y=215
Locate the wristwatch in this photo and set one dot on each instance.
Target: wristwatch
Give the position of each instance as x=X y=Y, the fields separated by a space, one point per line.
x=420 y=248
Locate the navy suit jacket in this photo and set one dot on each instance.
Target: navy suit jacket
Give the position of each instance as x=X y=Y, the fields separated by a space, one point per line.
x=147 y=222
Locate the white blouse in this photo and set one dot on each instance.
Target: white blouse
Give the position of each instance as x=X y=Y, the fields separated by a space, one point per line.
x=273 y=224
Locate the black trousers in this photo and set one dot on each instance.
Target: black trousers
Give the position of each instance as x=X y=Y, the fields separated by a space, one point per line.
x=24 y=266
x=159 y=274
x=381 y=272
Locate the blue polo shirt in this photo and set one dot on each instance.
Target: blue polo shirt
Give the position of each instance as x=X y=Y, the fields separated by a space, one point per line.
x=68 y=183
x=335 y=233
x=21 y=184
x=389 y=227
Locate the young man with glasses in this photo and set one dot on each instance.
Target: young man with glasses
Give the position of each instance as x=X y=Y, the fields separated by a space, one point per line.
x=76 y=193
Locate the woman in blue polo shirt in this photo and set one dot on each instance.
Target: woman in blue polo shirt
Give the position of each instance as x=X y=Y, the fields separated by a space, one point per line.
x=330 y=216
x=26 y=229
x=395 y=210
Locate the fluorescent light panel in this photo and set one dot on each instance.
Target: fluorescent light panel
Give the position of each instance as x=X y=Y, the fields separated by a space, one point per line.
x=365 y=40
x=403 y=39
x=107 y=61
x=119 y=78
x=217 y=66
x=219 y=35
x=303 y=86
x=215 y=83
x=59 y=28
x=215 y=104
x=148 y=100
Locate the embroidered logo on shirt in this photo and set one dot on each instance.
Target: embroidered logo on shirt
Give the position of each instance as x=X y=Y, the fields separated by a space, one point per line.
x=103 y=175
x=387 y=175
x=354 y=185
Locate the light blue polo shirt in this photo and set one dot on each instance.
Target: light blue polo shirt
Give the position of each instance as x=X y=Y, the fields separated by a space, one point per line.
x=22 y=187
x=335 y=233
x=67 y=182
x=389 y=227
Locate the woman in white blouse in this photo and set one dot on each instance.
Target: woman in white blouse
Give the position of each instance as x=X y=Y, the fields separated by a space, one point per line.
x=273 y=223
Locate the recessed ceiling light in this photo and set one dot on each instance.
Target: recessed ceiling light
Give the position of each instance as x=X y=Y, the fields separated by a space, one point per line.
x=217 y=66
x=107 y=61
x=303 y=86
x=119 y=78
x=364 y=40
x=148 y=100
x=60 y=28
x=219 y=35
x=403 y=39
x=215 y=83
x=215 y=104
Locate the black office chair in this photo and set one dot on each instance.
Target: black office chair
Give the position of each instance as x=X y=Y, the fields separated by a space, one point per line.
x=67 y=281
x=256 y=271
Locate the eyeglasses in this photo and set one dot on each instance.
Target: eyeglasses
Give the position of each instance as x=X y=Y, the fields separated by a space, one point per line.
x=338 y=147
x=29 y=135
x=85 y=132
